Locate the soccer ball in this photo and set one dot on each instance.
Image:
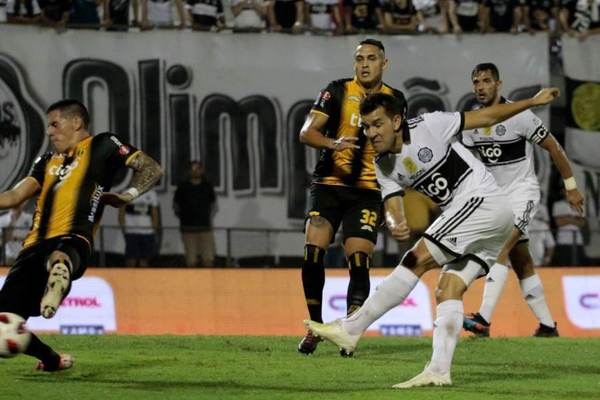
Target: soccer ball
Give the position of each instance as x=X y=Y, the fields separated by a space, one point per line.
x=14 y=336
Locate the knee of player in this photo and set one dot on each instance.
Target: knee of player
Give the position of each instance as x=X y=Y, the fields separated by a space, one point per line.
x=451 y=288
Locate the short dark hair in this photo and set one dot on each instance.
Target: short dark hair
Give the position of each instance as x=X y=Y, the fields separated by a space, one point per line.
x=373 y=42
x=486 y=67
x=71 y=108
x=393 y=105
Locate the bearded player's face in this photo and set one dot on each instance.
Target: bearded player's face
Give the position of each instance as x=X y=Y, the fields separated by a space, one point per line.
x=485 y=87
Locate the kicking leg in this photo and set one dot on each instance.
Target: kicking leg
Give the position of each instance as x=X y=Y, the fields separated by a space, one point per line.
x=390 y=293
x=59 y=268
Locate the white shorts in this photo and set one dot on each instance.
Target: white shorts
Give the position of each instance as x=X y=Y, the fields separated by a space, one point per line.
x=524 y=205
x=475 y=229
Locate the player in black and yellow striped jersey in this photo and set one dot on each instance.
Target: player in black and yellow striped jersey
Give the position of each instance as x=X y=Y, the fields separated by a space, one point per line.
x=72 y=186
x=344 y=189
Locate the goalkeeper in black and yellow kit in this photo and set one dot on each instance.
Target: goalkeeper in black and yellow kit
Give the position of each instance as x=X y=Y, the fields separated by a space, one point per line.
x=72 y=185
x=344 y=189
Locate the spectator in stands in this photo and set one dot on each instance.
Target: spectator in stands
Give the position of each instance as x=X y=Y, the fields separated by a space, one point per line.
x=205 y=15
x=541 y=241
x=400 y=16
x=195 y=205
x=589 y=13
x=468 y=15
x=286 y=15
x=159 y=13
x=539 y=15
x=15 y=225
x=85 y=12
x=569 y=237
x=362 y=15
x=500 y=16
x=324 y=16
x=567 y=21
x=116 y=14
x=140 y=223
x=433 y=15
x=249 y=15
x=55 y=13
x=23 y=11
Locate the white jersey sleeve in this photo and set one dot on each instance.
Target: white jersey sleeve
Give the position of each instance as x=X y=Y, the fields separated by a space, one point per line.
x=390 y=187
x=531 y=127
x=444 y=125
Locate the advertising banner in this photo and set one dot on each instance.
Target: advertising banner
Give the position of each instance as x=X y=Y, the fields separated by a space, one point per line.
x=88 y=309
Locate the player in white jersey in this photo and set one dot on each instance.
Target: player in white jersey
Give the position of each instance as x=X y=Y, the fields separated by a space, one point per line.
x=506 y=149
x=424 y=153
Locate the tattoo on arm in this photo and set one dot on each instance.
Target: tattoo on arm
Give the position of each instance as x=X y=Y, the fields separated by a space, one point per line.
x=147 y=172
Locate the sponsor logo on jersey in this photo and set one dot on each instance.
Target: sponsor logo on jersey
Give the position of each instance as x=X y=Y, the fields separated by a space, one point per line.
x=410 y=165
x=500 y=130
x=116 y=140
x=490 y=154
x=366 y=228
x=451 y=240
x=95 y=200
x=354 y=98
x=425 y=154
x=63 y=171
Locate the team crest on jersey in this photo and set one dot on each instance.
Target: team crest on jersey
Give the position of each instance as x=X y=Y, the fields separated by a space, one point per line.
x=425 y=154
x=410 y=165
x=500 y=130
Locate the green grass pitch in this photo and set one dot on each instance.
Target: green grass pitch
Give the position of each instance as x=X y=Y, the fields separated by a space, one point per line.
x=261 y=368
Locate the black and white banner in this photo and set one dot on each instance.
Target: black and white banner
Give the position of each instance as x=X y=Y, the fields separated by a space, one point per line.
x=237 y=102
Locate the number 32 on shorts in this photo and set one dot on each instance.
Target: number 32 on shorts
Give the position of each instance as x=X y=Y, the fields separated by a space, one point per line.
x=368 y=217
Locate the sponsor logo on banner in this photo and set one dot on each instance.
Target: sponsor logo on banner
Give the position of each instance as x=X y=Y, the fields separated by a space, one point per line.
x=410 y=318
x=582 y=300
x=88 y=309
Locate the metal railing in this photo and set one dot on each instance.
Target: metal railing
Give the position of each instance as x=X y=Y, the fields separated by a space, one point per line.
x=249 y=247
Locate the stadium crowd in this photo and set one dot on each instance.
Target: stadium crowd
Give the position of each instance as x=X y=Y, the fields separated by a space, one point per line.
x=330 y=17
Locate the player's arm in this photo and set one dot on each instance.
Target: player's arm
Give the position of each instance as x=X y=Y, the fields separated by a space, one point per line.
x=25 y=189
x=311 y=134
x=121 y=219
x=560 y=160
x=395 y=219
x=495 y=114
x=146 y=173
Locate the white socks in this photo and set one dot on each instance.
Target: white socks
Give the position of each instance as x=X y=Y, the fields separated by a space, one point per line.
x=390 y=293
x=533 y=292
x=494 y=283
x=447 y=327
